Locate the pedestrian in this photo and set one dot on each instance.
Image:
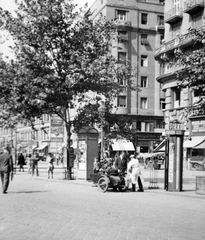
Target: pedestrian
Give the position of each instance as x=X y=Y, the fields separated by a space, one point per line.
x=6 y=169
x=120 y=162
x=135 y=173
x=96 y=165
x=35 y=160
x=21 y=162
x=50 y=162
x=29 y=163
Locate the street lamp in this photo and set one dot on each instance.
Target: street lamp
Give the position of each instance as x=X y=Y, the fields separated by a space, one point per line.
x=101 y=110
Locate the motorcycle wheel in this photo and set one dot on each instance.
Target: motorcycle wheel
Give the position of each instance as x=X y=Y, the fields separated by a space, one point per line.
x=103 y=184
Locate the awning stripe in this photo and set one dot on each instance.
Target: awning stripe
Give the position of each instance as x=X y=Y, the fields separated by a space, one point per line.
x=195 y=140
x=42 y=147
x=123 y=146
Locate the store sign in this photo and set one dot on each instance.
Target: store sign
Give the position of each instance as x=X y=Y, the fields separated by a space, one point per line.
x=198 y=126
x=176 y=125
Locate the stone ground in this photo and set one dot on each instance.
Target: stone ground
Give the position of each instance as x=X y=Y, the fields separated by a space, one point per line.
x=37 y=208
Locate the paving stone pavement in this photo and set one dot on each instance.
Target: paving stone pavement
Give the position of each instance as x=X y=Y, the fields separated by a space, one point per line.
x=37 y=208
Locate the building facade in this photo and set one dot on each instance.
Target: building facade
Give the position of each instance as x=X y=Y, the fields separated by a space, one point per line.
x=181 y=111
x=140 y=28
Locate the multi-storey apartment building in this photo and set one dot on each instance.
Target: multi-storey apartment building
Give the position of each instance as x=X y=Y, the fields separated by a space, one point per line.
x=140 y=28
x=179 y=16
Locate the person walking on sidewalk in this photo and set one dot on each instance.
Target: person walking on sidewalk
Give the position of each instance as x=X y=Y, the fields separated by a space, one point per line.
x=21 y=162
x=50 y=162
x=34 y=161
x=135 y=172
x=29 y=163
x=6 y=168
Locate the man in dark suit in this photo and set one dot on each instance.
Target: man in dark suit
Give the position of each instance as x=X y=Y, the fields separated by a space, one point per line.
x=120 y=163
x=6 y=168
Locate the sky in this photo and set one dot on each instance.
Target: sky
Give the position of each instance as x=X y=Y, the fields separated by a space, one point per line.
x=10 y=5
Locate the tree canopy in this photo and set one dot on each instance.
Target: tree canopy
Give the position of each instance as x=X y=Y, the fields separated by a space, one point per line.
x=62 y=60
x=192 y=61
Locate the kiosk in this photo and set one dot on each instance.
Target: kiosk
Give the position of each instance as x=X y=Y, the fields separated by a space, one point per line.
x=88 y=149
x=174 y=160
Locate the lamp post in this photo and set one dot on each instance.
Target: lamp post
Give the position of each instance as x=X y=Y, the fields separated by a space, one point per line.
x=101 y=110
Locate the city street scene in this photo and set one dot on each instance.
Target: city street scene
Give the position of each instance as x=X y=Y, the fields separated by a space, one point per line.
x=102 y=119
x=41 y=208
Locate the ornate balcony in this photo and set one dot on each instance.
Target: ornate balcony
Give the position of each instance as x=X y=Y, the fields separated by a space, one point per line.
x=173 y=16
x=123 y=23
x=193 y=6
x=181 y=41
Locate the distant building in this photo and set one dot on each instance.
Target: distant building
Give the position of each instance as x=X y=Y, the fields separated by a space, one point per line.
x=140 y=26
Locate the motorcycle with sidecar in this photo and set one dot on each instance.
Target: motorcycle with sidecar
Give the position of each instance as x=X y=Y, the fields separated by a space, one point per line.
x=112 y=180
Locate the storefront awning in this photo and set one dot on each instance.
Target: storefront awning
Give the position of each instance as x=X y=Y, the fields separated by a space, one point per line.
x=42 y=147
x=195 y=140
x=123 y=146
x=200 y=146
x=160 y=147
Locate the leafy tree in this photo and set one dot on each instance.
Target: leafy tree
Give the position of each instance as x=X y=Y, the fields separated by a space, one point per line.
x=192 y=74
x=63 y=61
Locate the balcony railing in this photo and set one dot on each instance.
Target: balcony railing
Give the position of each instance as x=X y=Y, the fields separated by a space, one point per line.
x=193 y=6
x=176 y=42
x=125 y=23
x=175 y=15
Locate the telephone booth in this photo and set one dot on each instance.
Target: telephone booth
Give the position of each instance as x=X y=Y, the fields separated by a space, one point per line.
x=87 y=150
x=174 y=160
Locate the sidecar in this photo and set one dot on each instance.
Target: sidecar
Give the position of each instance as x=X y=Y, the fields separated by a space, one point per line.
x=115 y=182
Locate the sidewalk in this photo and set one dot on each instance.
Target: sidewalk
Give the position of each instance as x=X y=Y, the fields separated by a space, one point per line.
x=189 y=182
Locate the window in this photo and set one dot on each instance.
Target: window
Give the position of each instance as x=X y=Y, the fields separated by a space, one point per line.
x=144 y=40
x=160 y=20
x=176 y=97
x=162 y=103
x=121 y=15
x=122 y=36
x=144 y=61
x=143 y=103
x=144 y=18
x=122 y=57
x=121 y=101
x=159 y=123
x=144 y=83
x=122 y=81
x=197 y=20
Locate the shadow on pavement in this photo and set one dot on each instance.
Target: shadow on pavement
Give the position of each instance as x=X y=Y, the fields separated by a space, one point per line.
x=29 y=192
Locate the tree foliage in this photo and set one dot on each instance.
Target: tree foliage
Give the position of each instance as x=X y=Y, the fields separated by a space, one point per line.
x=192 y=61
x=63 y=60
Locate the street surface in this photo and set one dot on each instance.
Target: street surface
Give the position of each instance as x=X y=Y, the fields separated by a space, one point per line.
x=38 y=208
